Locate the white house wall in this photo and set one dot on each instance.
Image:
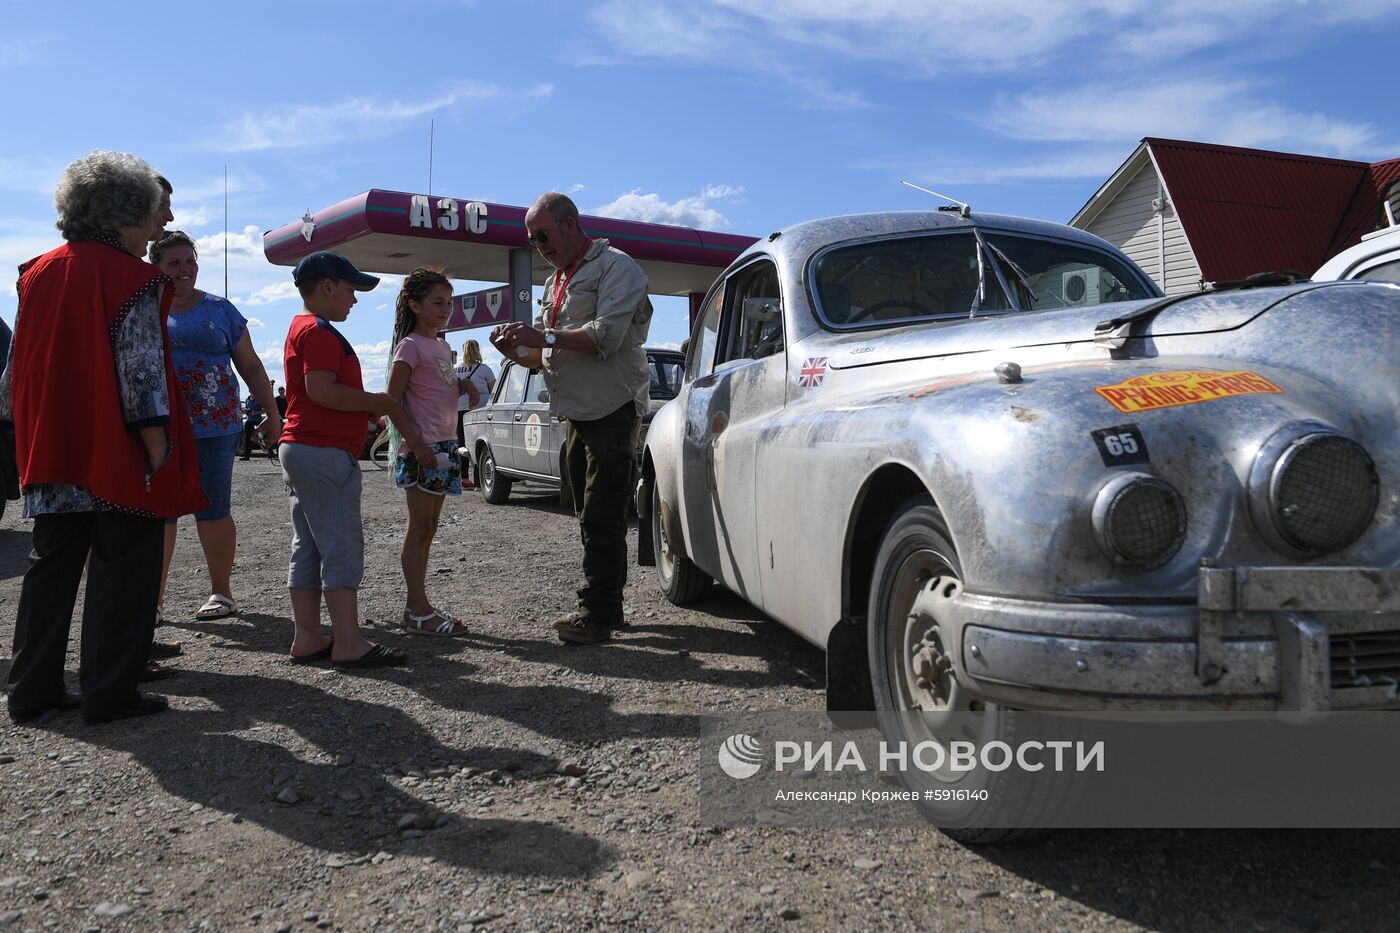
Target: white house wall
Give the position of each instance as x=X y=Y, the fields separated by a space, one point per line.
x=1129 y=223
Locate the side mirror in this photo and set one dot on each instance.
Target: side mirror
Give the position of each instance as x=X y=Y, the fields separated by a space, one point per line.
x=543 y=395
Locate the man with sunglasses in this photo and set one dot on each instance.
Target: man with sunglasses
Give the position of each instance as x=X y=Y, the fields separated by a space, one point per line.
x=588 y=339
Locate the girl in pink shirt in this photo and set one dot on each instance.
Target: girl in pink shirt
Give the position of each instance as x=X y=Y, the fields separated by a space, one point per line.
x=422 y=377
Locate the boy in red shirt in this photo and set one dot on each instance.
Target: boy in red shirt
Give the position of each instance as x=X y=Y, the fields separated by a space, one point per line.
x=327 y=409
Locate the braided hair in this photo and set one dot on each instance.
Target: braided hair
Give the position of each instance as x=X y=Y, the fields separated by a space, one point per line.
x=416 y=286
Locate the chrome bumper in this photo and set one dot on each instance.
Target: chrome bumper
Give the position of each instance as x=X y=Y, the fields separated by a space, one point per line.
x=1307 y=639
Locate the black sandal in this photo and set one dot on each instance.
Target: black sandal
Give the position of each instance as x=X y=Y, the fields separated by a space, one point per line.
x=323 y=655
x=376 y=656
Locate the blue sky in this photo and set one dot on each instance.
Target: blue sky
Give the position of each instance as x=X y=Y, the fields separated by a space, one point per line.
x=726 y=115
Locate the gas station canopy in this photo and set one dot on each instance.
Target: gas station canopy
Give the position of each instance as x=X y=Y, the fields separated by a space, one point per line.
x=393 y=232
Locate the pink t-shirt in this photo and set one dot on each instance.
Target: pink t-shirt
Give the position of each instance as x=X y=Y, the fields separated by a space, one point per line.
x=431 y=396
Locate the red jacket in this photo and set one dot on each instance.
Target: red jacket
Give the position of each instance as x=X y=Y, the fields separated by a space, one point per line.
x=69 y=426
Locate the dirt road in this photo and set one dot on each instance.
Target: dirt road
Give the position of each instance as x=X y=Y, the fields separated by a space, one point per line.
x=503 y=781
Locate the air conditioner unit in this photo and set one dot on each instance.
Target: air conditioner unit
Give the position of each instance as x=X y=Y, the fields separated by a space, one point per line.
x=1081 y=287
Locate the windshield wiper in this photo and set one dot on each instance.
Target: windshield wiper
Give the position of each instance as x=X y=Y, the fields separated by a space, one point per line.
x=1022 y=277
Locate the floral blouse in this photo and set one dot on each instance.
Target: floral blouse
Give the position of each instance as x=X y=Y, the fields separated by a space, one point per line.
x=201 y=344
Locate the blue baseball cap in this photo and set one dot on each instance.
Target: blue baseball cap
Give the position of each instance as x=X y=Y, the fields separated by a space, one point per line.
x=326 y=265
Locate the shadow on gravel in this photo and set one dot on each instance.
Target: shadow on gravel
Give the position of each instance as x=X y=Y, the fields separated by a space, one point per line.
x=341 y=803
x=1175 y=880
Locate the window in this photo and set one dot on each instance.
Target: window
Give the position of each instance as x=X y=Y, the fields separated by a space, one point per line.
x=666 y=375
x=1388 y=271
x=537 y=394
x=1052 y=274
x=706 y=338
x=947 y=275
x=754 y=313
x=907 y=278
x=514 y=391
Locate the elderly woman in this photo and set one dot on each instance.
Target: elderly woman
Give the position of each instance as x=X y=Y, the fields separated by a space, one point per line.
x=208 y=340
x=103 y=443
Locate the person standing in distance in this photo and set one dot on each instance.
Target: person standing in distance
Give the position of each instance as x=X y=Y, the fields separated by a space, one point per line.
x=588 y=338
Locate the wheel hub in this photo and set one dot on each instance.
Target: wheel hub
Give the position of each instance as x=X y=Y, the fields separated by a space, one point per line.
x=931 y=685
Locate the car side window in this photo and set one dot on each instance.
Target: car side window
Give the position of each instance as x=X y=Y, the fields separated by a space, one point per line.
x=706 y=338
x=752 y=314
x=1381 y=272
x=536 y=394
x=514 y=391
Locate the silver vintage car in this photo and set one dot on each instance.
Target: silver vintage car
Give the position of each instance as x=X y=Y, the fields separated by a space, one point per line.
x=514 y=439
x=985 y=465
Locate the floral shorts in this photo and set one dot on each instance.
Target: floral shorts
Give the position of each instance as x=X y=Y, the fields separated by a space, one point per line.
x=438 y=479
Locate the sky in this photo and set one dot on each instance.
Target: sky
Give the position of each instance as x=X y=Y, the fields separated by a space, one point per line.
x=727 y=115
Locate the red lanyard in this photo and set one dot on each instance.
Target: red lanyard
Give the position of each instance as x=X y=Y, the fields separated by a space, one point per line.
x=561 y=284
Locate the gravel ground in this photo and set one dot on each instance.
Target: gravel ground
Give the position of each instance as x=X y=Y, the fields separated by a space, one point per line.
x=503 y=781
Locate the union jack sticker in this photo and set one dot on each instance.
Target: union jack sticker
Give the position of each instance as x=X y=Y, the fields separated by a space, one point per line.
x=812 y=372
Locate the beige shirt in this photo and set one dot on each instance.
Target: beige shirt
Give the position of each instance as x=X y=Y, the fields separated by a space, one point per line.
x=607 y=299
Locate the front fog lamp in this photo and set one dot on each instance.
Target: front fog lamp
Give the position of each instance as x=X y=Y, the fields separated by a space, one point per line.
x=1313 y=492
x=1139 y=521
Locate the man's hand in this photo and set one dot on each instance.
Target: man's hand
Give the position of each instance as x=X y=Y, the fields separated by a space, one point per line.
x=424 y=454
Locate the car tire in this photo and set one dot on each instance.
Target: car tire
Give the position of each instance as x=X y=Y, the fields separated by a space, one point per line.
x=681 y=581
x=495 y=488
x=918 y=698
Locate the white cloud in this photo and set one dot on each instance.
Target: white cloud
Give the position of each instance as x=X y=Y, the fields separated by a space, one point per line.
x=190 y=218
x=271 y=294
x=353 y=118
x=1228 y=112
x=687 y=212
x=374 y=364
x=941 y=36
x=255 y=324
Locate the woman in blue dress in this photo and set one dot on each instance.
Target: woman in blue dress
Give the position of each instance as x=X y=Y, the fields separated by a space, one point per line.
x=208 y=340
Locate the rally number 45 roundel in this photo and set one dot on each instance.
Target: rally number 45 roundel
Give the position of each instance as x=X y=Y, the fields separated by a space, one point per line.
x=1183 y=387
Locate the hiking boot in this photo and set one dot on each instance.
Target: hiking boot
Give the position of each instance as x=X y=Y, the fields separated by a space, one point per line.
x=584 y=632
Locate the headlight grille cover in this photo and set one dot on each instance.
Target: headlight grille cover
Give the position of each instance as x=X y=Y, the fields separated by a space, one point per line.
x=1324 y=493
x=1140 y=520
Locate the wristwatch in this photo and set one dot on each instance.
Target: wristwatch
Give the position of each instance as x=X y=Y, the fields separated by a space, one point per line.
x=549 y=337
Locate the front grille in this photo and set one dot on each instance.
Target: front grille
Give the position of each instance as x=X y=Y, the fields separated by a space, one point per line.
x=1370 y=659
x=1325 y=493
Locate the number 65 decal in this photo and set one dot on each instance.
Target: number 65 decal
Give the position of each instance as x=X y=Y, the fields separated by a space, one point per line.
x=1120 y=445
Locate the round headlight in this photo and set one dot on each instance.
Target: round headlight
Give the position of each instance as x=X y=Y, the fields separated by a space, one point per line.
x=1323 y=493
x=1139 y=521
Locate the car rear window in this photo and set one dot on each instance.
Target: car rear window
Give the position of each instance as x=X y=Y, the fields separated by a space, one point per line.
x=948 y=275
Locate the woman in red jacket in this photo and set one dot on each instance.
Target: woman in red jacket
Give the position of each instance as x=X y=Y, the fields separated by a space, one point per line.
x=104 y=446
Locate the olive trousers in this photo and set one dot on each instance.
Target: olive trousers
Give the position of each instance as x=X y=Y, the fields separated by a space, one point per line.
x=600 y=457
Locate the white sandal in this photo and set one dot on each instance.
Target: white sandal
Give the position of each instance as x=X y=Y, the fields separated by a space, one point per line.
x=217 y=606
x=424 y=624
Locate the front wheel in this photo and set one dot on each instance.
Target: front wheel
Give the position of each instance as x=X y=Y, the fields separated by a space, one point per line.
x=495 y=488
x=681 y=581
x=914 y=658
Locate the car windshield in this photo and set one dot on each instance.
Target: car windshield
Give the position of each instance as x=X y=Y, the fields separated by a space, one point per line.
x=666 y=376
x=949 y=275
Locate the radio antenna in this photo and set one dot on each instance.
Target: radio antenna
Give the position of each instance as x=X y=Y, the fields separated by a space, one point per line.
x=963 y=209
x=226 y=228
x=432 y=126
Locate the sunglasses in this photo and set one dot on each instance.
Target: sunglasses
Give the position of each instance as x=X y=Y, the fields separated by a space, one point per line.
x=542 y=238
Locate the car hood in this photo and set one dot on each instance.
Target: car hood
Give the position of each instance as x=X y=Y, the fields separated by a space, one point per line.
x=1197 y=314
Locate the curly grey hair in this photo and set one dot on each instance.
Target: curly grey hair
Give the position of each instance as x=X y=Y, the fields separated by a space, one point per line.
x=103 y=192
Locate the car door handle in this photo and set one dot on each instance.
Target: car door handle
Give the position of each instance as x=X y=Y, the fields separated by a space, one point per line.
x=490 y=416
x=518 y=417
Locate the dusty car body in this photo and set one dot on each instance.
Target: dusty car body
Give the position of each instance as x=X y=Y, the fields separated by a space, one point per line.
x=515 y=439
x=984 y=464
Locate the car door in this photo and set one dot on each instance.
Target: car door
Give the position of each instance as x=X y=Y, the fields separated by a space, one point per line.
x=504 y=431
x=739 y=383
x=538 y=450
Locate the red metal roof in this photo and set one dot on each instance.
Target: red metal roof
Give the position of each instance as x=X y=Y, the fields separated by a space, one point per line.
x=1251 y=210
x=1364 y=212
